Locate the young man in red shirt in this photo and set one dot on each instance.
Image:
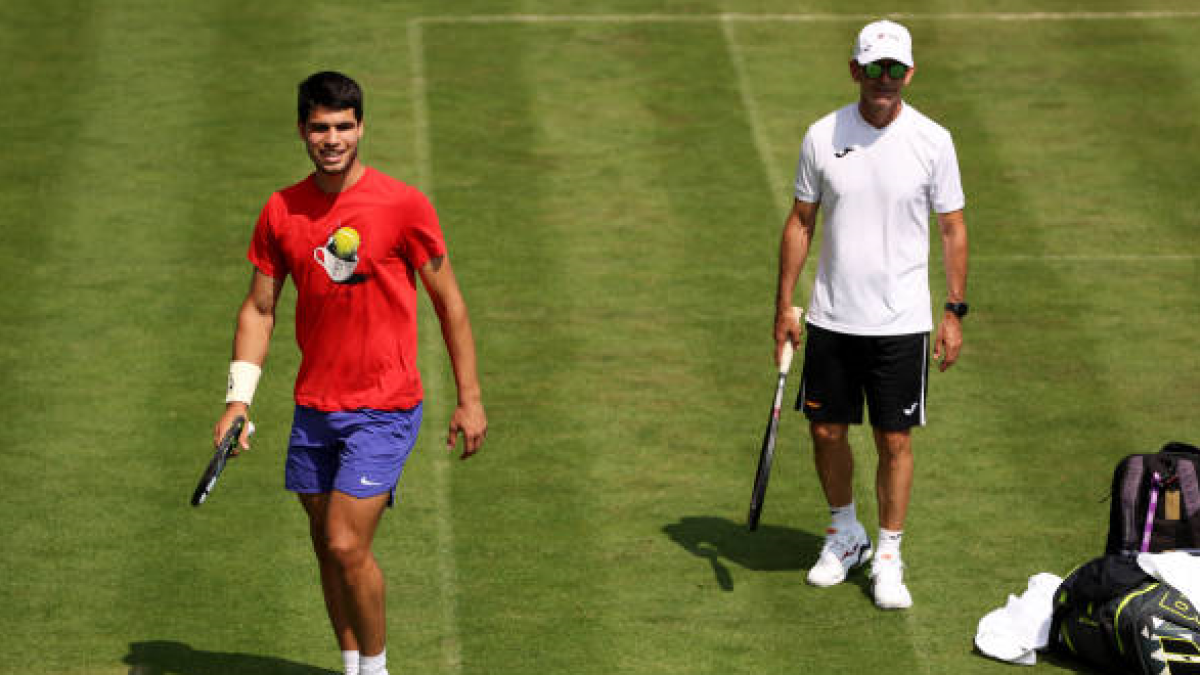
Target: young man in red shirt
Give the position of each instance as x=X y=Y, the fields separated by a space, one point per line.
x=353 y=240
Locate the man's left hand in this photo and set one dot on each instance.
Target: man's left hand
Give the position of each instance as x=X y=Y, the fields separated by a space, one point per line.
x=469 y=420
x=948 y=342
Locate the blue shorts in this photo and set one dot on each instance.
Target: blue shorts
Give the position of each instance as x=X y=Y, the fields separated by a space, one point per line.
x=358 y=452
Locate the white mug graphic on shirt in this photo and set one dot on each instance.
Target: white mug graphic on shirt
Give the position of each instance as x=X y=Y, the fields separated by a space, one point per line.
x=338 y=269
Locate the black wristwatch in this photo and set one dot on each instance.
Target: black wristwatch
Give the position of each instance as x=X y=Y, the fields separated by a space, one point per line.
x=958 y=309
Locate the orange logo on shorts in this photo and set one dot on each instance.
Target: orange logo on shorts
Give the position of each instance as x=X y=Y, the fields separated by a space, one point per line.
x=809 y=403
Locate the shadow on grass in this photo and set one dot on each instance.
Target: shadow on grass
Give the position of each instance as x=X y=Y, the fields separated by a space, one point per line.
x=768 y=549
x=175 y=658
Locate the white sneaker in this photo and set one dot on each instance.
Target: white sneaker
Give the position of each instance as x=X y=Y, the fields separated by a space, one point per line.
x=843 y=551
x=887 y=577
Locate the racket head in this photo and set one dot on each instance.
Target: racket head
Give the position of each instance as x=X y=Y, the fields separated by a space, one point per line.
x=208 y=480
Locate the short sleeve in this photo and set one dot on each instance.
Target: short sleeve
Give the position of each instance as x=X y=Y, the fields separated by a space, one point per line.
x=808 y=177
x=947 y=191
x=264 y=251
x=422 y=239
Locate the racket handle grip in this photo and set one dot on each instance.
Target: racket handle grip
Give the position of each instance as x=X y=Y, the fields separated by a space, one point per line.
x=785 y=358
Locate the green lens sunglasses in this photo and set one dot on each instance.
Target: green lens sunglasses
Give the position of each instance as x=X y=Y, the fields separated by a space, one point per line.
x=895 y=70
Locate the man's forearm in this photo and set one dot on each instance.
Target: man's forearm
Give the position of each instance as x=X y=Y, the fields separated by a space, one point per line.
x=252 y=338
x=954 y=254
x=460 y=345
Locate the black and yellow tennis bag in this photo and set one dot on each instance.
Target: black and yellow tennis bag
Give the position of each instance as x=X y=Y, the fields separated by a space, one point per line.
x=1111 y=614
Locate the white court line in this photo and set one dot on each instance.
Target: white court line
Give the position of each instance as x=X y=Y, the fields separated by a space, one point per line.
x=1085 y=258
x=804 y=17
x=750 y=106
x=447 y=566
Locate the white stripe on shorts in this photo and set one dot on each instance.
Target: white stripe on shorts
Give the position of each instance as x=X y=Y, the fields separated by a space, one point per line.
x=924 y=377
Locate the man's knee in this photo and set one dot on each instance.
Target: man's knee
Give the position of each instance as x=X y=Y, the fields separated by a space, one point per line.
x=336 y=544
x=829 y=436
x=344 y=549
x=893 y=445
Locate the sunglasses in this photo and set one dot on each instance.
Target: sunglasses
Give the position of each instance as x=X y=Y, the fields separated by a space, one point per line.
x=876 y=69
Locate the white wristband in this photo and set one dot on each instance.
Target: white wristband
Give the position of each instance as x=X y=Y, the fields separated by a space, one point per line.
x=243 y=379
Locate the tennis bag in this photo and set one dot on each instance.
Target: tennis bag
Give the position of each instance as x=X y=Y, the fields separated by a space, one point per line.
x=1111 y=614
x=1156 y=501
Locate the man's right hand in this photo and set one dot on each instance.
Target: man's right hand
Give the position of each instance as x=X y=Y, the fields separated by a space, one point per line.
x=787 y=329
x=232 y=411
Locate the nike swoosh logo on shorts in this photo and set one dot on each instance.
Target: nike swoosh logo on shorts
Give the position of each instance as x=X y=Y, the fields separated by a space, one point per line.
x=368 y=483
x=911 y=409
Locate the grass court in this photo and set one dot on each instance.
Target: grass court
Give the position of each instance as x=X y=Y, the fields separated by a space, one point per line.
x=611 y=177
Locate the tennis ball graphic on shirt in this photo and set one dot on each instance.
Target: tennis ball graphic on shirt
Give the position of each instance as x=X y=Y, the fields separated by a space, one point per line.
x=344 y=243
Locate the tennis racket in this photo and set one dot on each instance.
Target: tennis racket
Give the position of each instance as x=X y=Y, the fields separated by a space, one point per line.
x=767 y=453
x=217 y=464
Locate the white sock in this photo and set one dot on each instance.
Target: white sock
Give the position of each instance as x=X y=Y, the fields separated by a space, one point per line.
x=350 y=662
x=373 y=665
x=889 y=541
x=843 y=516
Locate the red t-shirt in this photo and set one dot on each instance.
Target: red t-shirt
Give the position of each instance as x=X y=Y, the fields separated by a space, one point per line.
x=357 y=334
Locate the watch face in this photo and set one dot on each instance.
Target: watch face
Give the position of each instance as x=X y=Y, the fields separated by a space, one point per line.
x=959 y=309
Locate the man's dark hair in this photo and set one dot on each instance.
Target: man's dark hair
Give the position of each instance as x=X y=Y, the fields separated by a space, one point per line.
x=330 y=89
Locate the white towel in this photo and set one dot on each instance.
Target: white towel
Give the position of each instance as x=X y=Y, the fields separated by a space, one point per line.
x=1016 y=631
x=1176 y=568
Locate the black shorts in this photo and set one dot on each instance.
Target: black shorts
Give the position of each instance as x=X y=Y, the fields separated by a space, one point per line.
x=840 y=369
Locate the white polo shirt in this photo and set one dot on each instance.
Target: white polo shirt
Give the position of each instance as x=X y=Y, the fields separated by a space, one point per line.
x=876 y=188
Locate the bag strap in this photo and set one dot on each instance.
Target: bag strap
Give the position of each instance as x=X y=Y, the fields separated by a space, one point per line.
x=1155 y=487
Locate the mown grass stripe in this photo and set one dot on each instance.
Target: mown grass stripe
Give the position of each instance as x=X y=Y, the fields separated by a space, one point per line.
x=776 y=184
x=490 y=152
x=36 y=355
x=98 y=329
x=434 y=376
x=98 y=432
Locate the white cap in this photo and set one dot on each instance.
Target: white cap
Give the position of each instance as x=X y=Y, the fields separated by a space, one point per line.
x=884 y=40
